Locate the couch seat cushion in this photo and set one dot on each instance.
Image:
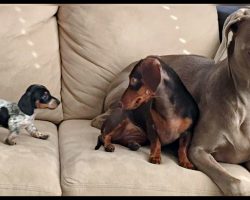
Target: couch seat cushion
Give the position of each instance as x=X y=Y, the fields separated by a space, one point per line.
x=31 y=167
x=85 y=171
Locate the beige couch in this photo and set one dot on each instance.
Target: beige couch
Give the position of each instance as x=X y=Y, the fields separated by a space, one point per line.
x=76 y=51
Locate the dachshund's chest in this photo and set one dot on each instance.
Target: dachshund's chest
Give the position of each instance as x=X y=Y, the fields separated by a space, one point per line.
x=170 y=129
x=15 y=115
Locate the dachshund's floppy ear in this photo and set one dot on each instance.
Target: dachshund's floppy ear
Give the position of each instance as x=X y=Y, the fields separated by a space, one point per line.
x=25 y=104
x=151 y=72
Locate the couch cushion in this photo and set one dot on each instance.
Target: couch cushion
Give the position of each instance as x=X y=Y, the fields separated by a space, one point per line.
x=31 y=167
x=85 y=171
x=98 y=41
x=29 y=53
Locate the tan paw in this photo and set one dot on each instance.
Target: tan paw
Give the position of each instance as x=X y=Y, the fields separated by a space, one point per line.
x=186 y=164
x=155 y=159
x=109 y=148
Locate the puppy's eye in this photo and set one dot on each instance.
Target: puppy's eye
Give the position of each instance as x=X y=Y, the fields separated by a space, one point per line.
x=45 y=97
x=133 y=81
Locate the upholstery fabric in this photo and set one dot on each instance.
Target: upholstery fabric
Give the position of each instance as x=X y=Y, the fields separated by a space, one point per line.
x=99 y=41
x=31 y=167
x=29 y=53
x=85 y=171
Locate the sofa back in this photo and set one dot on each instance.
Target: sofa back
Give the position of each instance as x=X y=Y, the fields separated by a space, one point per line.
x=29 y=53
x=99 y=41
x=83 y=47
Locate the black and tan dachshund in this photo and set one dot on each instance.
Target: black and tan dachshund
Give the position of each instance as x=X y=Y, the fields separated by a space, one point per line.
x=156 y=108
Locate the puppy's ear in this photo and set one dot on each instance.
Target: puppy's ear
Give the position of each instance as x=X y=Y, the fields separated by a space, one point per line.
x=151 y=73
x=25 y=104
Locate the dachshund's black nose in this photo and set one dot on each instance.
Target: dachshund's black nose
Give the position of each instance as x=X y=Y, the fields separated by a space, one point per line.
x=57 y=101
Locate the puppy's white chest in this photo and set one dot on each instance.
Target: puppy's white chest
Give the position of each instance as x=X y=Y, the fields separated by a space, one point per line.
x=26 y=120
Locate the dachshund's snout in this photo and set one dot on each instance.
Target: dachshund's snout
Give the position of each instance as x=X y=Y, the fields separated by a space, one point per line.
x=57 y=101
x=54 y=103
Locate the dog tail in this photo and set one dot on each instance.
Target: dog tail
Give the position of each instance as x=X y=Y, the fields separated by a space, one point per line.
x=99 y=142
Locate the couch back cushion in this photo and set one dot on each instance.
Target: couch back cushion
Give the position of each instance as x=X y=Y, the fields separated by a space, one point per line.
x=99 y=41
x=29 y=53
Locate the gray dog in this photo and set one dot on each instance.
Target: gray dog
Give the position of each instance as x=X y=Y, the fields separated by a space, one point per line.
x=222 y=91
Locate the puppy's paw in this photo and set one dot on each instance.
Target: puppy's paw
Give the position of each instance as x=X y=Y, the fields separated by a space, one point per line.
x=44 y=137
x=40 y=135
x=109 y=148
x=9 y=142
x=155 y=159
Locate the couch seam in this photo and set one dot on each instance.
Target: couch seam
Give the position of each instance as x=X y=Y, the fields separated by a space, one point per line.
x=154 y=188
x=29 y=188
x=194 y=192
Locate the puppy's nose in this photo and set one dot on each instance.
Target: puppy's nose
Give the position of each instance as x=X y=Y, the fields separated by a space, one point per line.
x=57 y=101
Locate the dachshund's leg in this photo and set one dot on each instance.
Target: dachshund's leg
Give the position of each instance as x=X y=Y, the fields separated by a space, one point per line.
x=184 y=143
x=155 y=144
x=10 y=140
x=132 y=136
x=99 y=142
x=155 y=151
x=32 y=130
x=108 y=146
x=14 y=126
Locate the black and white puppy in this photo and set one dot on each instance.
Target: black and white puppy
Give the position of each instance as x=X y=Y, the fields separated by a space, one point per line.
x=15 y=116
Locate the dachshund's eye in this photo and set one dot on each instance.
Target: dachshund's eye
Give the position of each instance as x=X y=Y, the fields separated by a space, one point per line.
x=45 y=97
x=133 y=81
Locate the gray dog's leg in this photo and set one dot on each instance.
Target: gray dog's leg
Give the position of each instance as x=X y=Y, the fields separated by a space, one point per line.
x=206 y=163
x=32 y=130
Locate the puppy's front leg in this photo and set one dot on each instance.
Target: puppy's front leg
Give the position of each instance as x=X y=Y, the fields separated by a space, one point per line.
x=14 y=127
x=10 y=140
x=32 y=130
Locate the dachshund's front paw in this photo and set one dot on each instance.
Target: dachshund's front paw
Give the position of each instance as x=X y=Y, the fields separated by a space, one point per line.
x=109 y=148
x=155 y=159
x=186 y=164
x=9 y=142
x=39 y=135
x=44 y=137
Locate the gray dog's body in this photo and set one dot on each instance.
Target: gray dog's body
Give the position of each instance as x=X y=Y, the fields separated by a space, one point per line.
x=222 y=91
